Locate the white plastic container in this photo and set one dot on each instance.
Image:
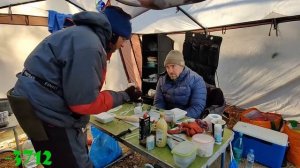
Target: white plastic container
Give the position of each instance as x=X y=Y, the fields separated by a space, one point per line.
x=209 y=119
x=204 y=143
x=150 y=142
x=138 y=110
x=218 y=131
x=3 y=118
x=174 y=114
x=184 y=154
x=104 y=117
x=169 y=115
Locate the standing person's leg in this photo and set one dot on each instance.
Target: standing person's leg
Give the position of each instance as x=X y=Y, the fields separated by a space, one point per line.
x=67 y=147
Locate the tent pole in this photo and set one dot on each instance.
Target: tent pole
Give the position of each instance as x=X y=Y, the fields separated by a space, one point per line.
x=76 y=5
x=193 y=19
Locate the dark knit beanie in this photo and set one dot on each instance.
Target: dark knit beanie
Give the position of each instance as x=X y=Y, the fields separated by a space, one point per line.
x=174 y=57
x=119 y=20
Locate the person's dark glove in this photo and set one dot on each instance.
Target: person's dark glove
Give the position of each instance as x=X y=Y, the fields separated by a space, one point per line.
x=133 y=93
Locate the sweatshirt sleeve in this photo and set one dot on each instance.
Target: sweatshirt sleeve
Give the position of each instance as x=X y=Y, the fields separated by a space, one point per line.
x=104 y=102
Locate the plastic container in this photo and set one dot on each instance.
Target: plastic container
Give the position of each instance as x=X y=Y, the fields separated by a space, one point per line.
x=161 y=131
x=250 y=159
x=218 y=121
x=138 y=110
x=169 y=115
x=238 y=148
x=172 y=143
x=175 y=114
x=184 y=154
x=3 y=118
x=204 y=144
x=28 y=162
x=150 y=142
x=104 y=117
x=218 y=131
x=209 y=119
x=269 y=145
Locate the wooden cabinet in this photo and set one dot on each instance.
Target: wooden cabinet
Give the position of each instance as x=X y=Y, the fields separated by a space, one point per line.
x=155 y=48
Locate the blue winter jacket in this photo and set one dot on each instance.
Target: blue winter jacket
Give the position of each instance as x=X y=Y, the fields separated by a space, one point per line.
x=74 y=59
x=187 y=92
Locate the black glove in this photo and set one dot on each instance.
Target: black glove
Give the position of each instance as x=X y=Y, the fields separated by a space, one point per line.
x=133 y=93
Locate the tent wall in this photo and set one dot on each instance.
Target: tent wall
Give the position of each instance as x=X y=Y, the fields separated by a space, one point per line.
x=18 y=41
x=258 y=70
x=116 y=78
x=132 y=60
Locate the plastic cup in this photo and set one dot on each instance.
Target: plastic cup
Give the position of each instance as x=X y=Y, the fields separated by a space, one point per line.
x=218 y=121
x=138 y=110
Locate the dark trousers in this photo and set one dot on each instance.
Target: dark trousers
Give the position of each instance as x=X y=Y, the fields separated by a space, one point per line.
x=68 y=148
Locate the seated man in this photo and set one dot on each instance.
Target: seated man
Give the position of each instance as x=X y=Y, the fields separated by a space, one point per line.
x=180 y=87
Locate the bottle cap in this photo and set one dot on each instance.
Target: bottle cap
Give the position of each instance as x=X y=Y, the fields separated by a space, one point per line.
x=162 y=114
x=293 y=123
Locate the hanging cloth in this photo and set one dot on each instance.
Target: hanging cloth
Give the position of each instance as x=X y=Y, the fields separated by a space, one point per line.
x=201 y=54
x=57 y=21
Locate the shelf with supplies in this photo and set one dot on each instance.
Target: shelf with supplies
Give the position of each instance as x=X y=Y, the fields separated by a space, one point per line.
x=155 y=48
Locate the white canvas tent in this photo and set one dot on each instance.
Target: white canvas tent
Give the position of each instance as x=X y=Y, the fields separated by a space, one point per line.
x=255 y=68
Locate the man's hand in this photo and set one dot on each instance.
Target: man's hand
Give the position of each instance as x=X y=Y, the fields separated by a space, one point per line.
x=134 y=93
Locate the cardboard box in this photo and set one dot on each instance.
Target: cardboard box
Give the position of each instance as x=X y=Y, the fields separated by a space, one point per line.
x=269 y=146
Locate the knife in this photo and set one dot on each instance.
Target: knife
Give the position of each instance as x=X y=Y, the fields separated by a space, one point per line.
x=128 y=131
x=176 y=138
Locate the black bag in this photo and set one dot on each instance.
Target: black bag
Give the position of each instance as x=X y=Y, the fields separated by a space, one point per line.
x=215 y=101
x=201 y=54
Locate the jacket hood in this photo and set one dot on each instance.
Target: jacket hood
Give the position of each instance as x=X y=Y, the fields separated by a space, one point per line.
x=97 y=21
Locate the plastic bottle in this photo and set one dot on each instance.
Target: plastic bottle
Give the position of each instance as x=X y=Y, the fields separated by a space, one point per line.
x=161 y=131
x=250 y=159
x=218 y=133
x=31 y=162
x=238 y=148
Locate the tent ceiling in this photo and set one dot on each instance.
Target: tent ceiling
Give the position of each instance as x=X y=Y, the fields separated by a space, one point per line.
x=6 y=3
x=39 y=8
x=210 y=13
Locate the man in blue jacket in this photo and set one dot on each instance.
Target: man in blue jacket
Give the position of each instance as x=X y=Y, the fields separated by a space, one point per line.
x=180 y=87
x=63 y=77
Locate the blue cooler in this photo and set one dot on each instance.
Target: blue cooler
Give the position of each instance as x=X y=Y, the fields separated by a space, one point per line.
x=269 y=146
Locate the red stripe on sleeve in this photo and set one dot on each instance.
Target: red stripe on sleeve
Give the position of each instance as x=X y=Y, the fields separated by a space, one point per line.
x=103 y=102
